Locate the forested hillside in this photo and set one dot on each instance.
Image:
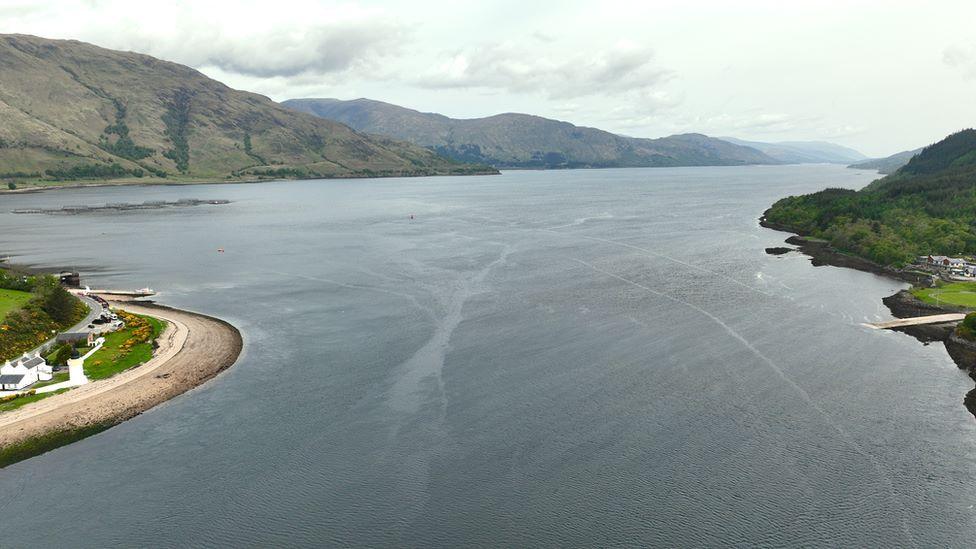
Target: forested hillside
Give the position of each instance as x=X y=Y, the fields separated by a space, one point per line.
x=926 y=207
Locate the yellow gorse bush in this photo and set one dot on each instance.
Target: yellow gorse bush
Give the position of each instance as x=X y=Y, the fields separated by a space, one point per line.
x=140 y=332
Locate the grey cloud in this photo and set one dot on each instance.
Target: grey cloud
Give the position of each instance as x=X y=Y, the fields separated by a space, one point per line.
x=319 y=49
x=516 y=69
x=961 y=58
x=324 y=50
x=20 y=9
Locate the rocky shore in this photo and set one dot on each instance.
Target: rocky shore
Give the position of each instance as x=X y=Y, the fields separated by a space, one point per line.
x=902 y=304
x=821 y=253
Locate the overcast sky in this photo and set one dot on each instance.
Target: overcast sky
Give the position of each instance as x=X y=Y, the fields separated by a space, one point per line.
x=879 y=76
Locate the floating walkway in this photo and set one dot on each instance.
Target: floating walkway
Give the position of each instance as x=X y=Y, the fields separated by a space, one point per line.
x=916 y=321
x=144 y=292
x=123 y=206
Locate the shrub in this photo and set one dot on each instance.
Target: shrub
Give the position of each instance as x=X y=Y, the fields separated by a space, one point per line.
x=281 y=172
x=60 y=305
x=89 y=171
x=123 y=146
x=60 y=355
x=177 y=121
x=967 y=328
x=14 y=281
x=8 y=398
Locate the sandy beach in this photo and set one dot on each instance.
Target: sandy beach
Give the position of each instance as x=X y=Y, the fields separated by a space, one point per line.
x=192 y=349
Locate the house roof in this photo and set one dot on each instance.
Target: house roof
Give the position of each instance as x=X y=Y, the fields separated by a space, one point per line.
x=11 y=379
x=28 y=363
x=32 y=362
x=945 y=258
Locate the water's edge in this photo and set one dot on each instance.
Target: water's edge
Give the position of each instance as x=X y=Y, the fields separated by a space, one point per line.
x=902 y=304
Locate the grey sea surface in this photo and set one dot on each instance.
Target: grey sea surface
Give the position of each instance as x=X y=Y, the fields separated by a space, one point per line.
x=541 y=358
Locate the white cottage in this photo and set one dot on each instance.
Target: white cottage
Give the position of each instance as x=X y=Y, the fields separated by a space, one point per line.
x=24 y=372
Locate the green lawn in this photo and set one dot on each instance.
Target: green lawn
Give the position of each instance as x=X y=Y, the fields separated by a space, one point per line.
x=58 y=378
x=11 y=300
x=25 y=400
x=126 y=348
x=954 y=293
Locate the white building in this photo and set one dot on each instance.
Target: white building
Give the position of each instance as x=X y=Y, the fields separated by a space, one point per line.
x=24 y=372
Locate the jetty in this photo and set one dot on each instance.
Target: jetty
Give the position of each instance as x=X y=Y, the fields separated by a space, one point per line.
x=916 y=321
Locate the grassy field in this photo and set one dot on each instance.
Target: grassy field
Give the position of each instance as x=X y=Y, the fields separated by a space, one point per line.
x=11 y=300
x=954 y=293
x=25 y=400
x=125 y=348
x=57 y=378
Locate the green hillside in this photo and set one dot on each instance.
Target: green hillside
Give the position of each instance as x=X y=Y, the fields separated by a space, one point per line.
x=72 y=111
x=515 y=140
x=926 y=207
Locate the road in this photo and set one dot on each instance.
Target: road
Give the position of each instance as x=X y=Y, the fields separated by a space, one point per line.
x=94 y=311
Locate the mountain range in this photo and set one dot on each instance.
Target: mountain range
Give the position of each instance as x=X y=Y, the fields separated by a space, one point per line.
x=513 y=140
x=71 y=111
x=803 y=152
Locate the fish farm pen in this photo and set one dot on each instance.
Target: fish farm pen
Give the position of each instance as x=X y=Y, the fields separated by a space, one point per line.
x=122 y=206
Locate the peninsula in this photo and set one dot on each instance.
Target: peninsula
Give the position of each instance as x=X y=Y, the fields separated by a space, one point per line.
x=149 y=354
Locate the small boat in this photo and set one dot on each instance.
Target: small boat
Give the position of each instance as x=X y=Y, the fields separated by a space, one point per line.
x=220 y=250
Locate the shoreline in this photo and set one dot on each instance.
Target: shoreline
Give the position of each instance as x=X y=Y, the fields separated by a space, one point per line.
x=193 y=349
x=821 y=253
x=901 y=304
x=161 y=182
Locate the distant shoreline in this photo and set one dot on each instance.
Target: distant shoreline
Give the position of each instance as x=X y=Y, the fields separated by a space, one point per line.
x=193 y=349
x=160 y=182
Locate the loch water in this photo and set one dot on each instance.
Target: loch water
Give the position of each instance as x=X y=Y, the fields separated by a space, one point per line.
x=540 y=358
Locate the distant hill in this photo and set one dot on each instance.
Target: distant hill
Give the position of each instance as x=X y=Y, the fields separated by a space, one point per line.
x=525 y=141
x=73 y=111
x=888 y=164
x=804 y=152
x=928 y=206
